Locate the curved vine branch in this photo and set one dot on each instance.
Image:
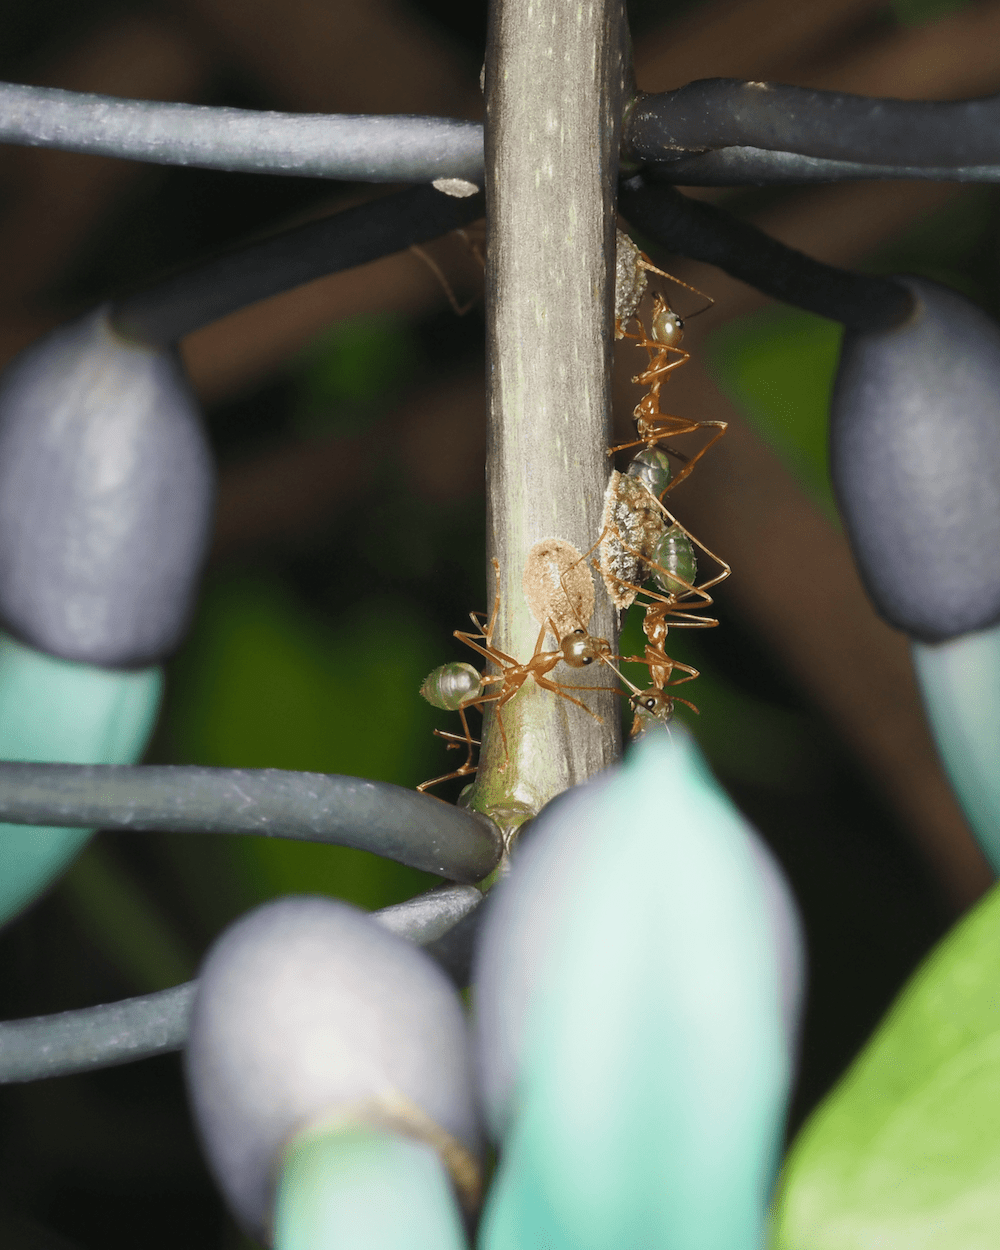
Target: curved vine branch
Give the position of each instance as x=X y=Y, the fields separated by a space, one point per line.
x=374 y=148
x=443 y=921
x=861 y=301
x=724 y=112
x=388 y=820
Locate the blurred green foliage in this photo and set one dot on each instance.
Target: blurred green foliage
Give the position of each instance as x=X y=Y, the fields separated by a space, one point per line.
x=264 y=683
x=917 y=12
x=341 y=376
x=955 y=245
x=778 y=366
x=124 y=923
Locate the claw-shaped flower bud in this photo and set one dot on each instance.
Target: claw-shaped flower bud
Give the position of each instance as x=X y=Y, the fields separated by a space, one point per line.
x=915 y=458
x=330 y=1075
x=638 y=991
x=106 y=491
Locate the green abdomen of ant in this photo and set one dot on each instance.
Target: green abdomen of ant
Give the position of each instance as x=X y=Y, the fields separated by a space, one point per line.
x=674 y=567
x=451 y=685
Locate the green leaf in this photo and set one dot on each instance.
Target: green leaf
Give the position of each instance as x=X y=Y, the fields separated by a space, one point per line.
x=904 y=1154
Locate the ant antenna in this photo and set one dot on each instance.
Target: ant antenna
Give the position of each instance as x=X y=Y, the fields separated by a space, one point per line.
x=471 y=245
x=645 y=263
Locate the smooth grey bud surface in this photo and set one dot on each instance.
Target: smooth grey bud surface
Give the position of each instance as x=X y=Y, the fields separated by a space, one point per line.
x=306 y=1010
x=106 y=495
x=915 y=459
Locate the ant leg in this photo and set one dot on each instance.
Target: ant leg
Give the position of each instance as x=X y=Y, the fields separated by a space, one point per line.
x=488 y=652
x=454 y=740
x=663 y=661
x=692 y=622
x=640 y=338
x=477 y=619
x=465 y=731
x=556 y=688
x=722 y=426
x=459 y=309
x=639 y=442
x=589 y=552
x=655 y=425
x=653 y=432
x=465 y=771
x=511 y=687
x=471 y=244
x=561 y=686
x=496 y=603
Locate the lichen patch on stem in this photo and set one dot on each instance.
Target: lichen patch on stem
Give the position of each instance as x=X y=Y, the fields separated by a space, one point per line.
x=558 y=586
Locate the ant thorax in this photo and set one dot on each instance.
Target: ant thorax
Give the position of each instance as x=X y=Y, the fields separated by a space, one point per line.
x=632 y=524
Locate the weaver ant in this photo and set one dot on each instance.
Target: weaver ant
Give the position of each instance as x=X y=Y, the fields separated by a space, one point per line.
x=578 y=649
x=671 y=557
x=458 y=686
x=652 y=706
x=665 y=354
x=653 y=425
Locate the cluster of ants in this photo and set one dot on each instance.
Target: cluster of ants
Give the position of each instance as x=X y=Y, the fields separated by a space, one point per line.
x=644 y=555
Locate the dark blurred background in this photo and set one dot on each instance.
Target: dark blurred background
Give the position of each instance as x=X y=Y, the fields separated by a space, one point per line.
x=348 y=418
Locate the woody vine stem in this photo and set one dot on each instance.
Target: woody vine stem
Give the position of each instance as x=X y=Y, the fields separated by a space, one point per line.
x=556 y=78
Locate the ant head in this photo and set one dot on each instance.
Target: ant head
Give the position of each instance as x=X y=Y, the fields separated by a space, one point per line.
x=579 y=650
x=653 y=702
x=667 y=328
x=652 y=707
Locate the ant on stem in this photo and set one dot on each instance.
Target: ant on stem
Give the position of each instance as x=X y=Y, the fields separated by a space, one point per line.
x=665 y=555
x=448 y=689
x=577 y=649
x=642 y=541
x=662 y=343
x=671 y=558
